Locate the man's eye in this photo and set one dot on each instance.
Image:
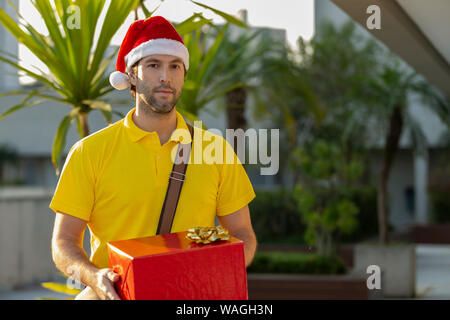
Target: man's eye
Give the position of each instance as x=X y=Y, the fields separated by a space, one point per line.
x=152 y=65
x=176 y=66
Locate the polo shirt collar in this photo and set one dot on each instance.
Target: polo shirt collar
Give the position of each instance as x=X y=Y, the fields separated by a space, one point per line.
x=135 y=133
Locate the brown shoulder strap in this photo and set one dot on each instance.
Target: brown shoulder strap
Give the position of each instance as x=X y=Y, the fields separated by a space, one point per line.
x=176 y=180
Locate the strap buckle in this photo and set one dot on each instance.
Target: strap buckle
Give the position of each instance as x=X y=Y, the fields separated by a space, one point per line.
x=183 y=176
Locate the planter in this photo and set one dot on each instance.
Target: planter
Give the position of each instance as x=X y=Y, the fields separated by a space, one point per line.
x=397 y=264
x=304 y=287
x=436 y=234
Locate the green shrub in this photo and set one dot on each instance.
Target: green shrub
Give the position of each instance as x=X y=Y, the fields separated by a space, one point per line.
x=322 y=193
x=274 y=217
x=296 y=263
x=365 y=198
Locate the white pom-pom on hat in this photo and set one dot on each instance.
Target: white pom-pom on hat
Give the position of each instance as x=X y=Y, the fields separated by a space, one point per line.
x=119 y=80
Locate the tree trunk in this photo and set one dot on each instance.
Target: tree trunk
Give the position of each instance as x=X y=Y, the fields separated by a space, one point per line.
x=235 y=100
x=329 y=244
x=84 y=124
x=390 y=149
x=321 y=242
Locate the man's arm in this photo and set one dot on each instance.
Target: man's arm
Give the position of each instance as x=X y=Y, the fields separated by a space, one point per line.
x=70 y=258
x=239 y=226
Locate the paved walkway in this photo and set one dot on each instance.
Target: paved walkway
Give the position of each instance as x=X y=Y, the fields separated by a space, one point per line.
x=34 y=292
x=31 y=293
x=432 y=277
x=433 y=272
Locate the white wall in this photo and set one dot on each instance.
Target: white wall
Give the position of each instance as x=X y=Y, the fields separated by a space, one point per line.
x=25 y=234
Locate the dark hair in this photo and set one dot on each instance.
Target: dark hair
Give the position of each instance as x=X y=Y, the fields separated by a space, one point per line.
x=133 y=87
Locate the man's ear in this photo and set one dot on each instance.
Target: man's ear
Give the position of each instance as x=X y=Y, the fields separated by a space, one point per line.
x=132 y=77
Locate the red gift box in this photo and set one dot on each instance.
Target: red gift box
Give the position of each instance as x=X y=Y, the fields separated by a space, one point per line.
x=171 y=267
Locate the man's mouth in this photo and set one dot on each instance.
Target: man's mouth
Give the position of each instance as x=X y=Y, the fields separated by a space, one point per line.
x=164 y=92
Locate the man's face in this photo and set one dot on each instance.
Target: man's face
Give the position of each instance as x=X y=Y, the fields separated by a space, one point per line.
x=159 y=81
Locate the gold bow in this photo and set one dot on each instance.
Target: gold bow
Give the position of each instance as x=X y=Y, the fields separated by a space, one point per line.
x=206 y=235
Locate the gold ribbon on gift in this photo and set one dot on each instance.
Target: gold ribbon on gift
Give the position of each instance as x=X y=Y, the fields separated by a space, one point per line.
x=206 y=235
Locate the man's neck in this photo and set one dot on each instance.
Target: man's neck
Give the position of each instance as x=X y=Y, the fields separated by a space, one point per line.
x=162 y=123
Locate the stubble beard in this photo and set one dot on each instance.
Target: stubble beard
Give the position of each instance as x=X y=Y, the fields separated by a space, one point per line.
x=159 y=105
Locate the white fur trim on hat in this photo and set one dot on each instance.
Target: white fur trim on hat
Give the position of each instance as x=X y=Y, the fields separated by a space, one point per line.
x=119 y=80
x=158 y=46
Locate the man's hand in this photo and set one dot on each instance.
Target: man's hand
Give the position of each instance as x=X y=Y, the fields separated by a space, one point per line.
x=68 y=255
x=103 y=284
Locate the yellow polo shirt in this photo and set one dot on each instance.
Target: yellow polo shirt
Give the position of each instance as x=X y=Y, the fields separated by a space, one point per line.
x=116 y=180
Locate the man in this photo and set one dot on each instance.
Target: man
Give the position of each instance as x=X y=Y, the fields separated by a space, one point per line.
x=114 y=181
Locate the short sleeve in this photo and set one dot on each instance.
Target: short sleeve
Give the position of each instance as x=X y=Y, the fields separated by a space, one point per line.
x=235 y=188
x=74 y=193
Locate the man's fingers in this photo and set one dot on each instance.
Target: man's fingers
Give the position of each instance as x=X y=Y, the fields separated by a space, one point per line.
x=111 y=293
x=112 y=276
x=105 y=285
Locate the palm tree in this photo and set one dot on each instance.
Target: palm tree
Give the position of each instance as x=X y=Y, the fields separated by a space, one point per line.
x=77 y=64
x=389 y=105
x=338 y=63
x=209 y=76
x=240 y=59
x=238 y=62
x=284 y=94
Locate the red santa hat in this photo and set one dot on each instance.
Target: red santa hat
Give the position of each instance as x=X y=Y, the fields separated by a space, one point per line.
x=154 y=35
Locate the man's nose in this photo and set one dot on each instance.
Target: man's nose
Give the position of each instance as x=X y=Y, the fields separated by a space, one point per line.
x=164 y=75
